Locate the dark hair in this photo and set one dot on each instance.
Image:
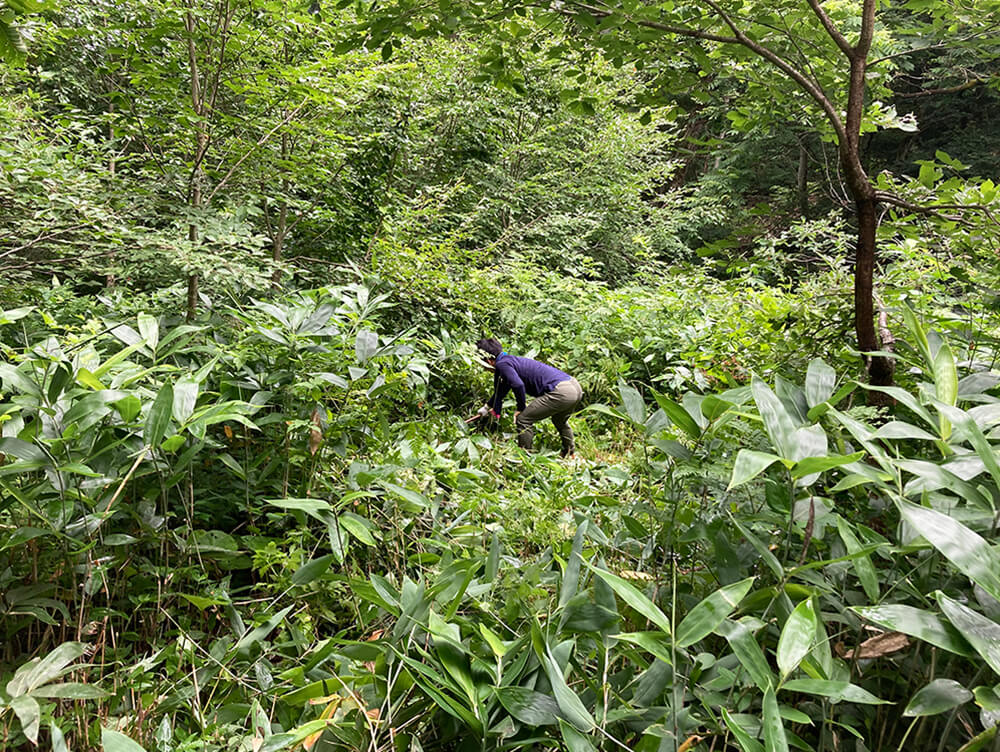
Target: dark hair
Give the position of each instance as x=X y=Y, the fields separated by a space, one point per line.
x=490 y=345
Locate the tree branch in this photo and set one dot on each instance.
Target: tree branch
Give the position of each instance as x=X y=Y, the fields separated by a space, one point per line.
x=831 y=30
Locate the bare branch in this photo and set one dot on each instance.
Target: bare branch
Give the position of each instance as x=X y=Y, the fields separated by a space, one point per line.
x=937 y=210
x=971 y=84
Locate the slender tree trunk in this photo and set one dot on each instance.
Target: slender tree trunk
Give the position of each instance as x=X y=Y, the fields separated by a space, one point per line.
x=200 y=145
x=802 y=182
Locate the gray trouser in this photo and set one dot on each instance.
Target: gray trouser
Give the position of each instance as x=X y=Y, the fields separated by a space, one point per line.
x=558 y=404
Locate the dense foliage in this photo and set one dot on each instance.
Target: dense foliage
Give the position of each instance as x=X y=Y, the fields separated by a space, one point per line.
x=246 y=248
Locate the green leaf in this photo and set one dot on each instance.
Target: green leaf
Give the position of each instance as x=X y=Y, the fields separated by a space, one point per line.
x=315 y=508
x=278 y=742
x=923 y=625
x=39 y=671
x=159 y=415
x=972 y=555
x=313 y=570
x=705 y=617
x=896 y=429
x=981 y=633
x=58 y=740
x=113 y=741
x=750 y=656
x=678 y=415
x=633 y=597
x=29 y=713
x=358 y=527
x=69 y=691
x=529 y=707
x=820 y=382
x=749 y=464
x=811 y=465
x=652 y=642
x=366 y=342
x=747 y=743
x=635 y=406
x=863 y=564
x=834 y=690
x=257 y=634
x=574 y=740
x=797 y=637
x=777 y=422
x=571 y=706
x=937 y=697
x=774 y=728
x=945 y=383
x=185 y=396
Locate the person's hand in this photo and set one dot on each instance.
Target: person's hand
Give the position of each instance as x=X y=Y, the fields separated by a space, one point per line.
x=483 y=411
x=516 y=413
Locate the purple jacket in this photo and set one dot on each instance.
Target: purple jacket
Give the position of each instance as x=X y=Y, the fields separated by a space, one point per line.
x=522 y=375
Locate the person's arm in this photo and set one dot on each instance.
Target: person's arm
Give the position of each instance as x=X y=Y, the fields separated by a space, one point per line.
x=500 y=389
x=512 y=382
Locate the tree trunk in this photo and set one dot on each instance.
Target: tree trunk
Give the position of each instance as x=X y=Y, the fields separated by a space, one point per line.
x=801 y=181
x=880 y=368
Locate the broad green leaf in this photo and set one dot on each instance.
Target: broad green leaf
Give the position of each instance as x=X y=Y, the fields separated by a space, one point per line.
x=313 y=570
x=797 y=637
x=705 y=617
x=315 y=508
x=635 y=406
x=633 y=597
x=937 y=697
x=945 y=383
x=777 y=422
x=834 y=690
x=820 y=382
x=185 y=396
x=747 y=743
x=862 y=565
x=917 y=623
x=29 y=713
x=529 y=707
x=678 y=415
x=774 y=727
x=654 y=643
x=255 y=635
x=972 y=555
x=149 y=328
x=12 y=377
x=763 y=551
x=39 y=671
x=572 y=707
x=811 y=465
x=574 y=740
x=114 y=741
x=749 y=464
x=930 y=476
x=571 y=577
x=358 y=526
x=69 y=691
x=749 y=653
x=365 y=345
x=58 y=740
x=296 y=736
x=974 y=434
x=919 y=334
x=896 y=429
x=981 y=633
x=159 y=416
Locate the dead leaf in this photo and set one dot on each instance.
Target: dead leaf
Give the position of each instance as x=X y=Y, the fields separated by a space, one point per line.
x=316 y=432
x=689 y=742
x=879 y=645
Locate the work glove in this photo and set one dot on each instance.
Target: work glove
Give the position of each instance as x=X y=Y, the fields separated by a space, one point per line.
x=483 y=411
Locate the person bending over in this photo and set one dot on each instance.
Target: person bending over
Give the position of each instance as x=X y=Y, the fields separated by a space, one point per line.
x=557 y=394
